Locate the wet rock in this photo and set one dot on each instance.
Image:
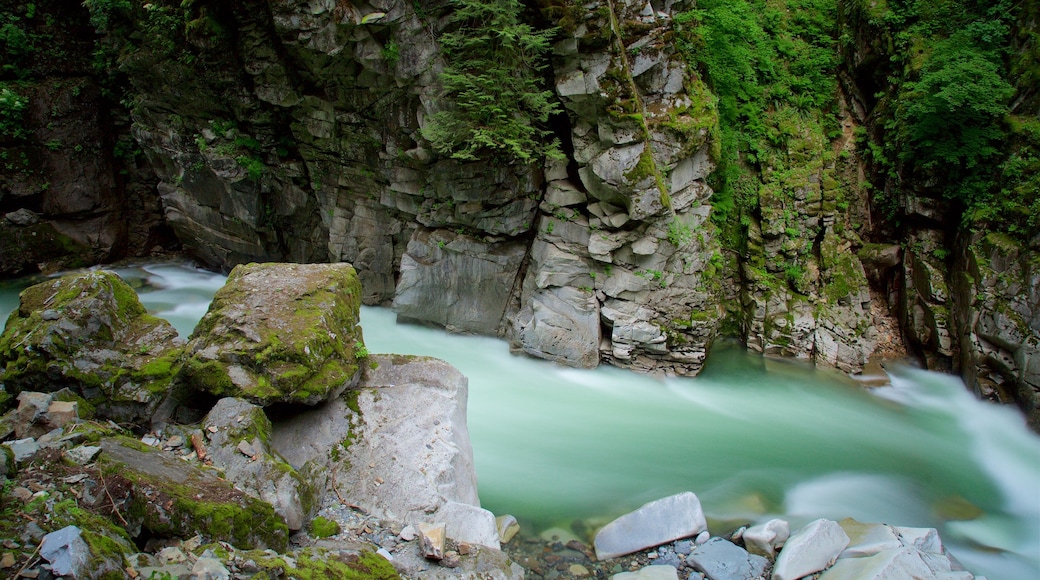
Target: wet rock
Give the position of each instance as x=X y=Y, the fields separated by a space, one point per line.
x=655 y=523
x=103 y=345
x=811 y=549
x=279 y=333
x=885 y=565
x=238 y=433
x=719 y=559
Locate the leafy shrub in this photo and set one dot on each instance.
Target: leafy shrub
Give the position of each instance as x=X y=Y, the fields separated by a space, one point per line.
x=492 y=82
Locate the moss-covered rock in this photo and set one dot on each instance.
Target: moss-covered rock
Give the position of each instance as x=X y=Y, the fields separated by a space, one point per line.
x=171 y=498
x=279 y=333
x=239 y=435
x=89 y=333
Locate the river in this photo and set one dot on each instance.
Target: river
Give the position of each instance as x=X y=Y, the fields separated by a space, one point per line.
x=753 y=437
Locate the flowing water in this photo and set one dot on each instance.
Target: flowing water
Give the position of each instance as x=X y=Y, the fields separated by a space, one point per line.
x=753 y=438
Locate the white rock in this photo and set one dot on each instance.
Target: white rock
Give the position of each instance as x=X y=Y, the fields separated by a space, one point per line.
x=408 y=533
x=765 y=539
x=813 y=548
x=209 y=569
x=649 y=573
x=507 y=527
x=924 y=539
x=898 y=564
x=432 y=538
x=868 y=539
x=656 y=523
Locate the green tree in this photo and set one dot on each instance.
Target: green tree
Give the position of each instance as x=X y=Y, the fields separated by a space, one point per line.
x=493 y=85
x=951 y=115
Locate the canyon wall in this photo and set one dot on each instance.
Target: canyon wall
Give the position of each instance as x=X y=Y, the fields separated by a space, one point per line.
x=294 y=131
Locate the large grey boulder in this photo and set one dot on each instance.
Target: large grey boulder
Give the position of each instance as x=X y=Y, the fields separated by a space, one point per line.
x=238 y=433
x=811 y=549
x=653 y=524
x=71 y=555
x=720 y=559
x=90 y=333
x=398 y=447
x=279 y=333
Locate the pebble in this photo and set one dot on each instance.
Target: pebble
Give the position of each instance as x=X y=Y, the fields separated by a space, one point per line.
x=578 y=571
x=7 y=560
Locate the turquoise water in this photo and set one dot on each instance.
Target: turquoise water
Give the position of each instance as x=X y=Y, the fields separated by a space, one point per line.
x=753 y=438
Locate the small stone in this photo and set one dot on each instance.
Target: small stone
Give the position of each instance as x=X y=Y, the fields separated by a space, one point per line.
x=83 y=454
x=22 y=493
x=175 y=442
x=812 y=549
x=408 y=533
x=432 y=538
x=171 y=555
x=386 y=554
x=61 y=413
x=30 y=573
x=212 y=429
x=192 y=543
x=466 y=549
x=209 y=569
x=702 y=538
x=507 y=527
x=451 y=559
x=150 y=440
x=7 y=560
x=11 y=544
x=578 y=571
x=246 y=449
x=74 y=478
x=649 y=573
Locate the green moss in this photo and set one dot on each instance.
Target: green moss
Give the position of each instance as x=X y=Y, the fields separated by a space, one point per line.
x=319 y=564
x=323 y=528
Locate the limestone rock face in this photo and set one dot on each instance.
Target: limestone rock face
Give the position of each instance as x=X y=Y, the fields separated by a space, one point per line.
x=89 y=333
x=1000 y=350
x=279 y=333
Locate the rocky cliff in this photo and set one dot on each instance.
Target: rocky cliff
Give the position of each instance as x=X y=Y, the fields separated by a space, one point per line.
x=702 y=190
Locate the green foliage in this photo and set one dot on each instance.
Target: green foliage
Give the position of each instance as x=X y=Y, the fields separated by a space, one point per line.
x=492 y=81
x=950 y=115
x=772 y=64
x=12 y=110
x=360 y=350
x=679 y=233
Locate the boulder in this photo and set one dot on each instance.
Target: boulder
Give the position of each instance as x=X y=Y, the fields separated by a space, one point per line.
x=90 y=333
x=410 y=458
x=658 y=522
x=169 y=497
x=766 y=538
x=236 y=424
x=279 y=333
x=720 y=559
x=811 y=549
